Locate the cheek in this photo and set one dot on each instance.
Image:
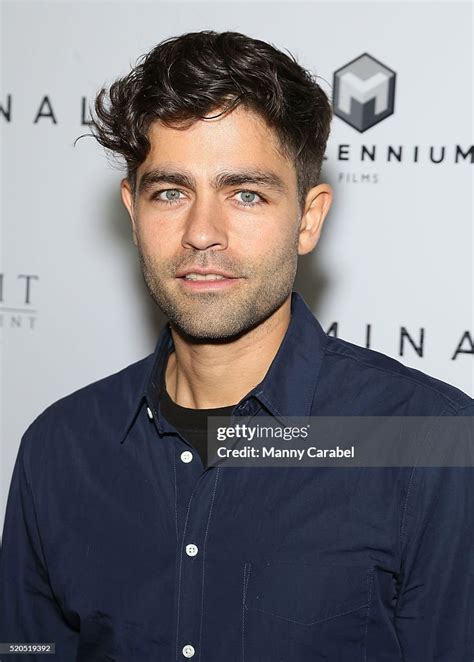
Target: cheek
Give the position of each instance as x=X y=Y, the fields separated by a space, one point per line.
x=279 y=236
x=262 y=233
x=157 y=242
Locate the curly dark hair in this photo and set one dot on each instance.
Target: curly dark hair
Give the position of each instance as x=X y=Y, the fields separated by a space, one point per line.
x=184 y=78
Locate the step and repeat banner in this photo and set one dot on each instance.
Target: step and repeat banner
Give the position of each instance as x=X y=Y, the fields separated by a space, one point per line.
x=393 y=269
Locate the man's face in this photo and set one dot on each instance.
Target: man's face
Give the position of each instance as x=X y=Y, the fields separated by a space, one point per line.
x=216 y=197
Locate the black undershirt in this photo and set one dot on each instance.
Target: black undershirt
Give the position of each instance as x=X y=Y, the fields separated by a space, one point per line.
x=190 y=423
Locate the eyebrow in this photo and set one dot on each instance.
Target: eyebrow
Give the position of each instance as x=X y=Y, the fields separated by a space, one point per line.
x=254 y=176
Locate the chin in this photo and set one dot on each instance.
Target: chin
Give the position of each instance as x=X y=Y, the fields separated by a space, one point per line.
x=208 y=334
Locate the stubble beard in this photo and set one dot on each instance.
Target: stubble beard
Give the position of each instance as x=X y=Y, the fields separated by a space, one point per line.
x=225 y=315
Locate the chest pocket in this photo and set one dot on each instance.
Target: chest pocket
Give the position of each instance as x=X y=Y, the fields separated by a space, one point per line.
x=294 y=611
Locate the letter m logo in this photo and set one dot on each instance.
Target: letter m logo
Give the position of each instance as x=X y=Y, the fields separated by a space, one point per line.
x=364 y=92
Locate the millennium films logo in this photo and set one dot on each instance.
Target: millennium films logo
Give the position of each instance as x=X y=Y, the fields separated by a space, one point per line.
x=364 y=92
x=363 y=96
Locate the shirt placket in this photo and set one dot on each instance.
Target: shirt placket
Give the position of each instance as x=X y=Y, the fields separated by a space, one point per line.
x=191 y=559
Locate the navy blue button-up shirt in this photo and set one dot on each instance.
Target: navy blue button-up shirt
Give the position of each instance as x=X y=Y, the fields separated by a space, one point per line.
x=119 y=546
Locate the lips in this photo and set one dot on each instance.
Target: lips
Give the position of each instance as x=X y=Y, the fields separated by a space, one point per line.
x=214 y=280
x=204 y=277
x=204 y=272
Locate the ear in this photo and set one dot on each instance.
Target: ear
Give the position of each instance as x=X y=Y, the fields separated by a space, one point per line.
x=318 y=201
x=128 y=201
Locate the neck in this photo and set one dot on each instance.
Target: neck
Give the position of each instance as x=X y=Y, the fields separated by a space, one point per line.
x=206 y=376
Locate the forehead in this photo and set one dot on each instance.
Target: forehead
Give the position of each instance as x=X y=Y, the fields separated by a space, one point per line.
x=240 y=138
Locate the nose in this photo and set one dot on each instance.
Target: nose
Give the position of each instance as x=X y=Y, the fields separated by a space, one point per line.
x=205 y=225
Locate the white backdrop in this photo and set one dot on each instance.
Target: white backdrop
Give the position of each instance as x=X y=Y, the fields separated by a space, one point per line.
x=396 y=251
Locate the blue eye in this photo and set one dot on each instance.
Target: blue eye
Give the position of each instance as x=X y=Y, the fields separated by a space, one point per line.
x=246 y=202
x=172 y=196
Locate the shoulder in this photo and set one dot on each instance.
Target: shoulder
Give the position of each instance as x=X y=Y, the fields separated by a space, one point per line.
x=98 y=410
x=388 y=384
x=111 y=394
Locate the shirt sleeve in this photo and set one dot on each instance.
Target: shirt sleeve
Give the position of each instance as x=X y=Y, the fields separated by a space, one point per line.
x=29 y=612
x=434 y=614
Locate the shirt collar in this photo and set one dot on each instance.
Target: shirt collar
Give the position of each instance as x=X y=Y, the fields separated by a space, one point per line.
x=288 y=388
x=148 y=388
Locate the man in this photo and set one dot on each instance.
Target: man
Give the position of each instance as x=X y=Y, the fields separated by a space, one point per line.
x=121 y=542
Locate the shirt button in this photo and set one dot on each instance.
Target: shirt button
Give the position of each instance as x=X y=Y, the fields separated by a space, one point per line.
x=188 y=650
x=191 y=550
x=150 y=413
x=186 y=456
x=244 y=408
